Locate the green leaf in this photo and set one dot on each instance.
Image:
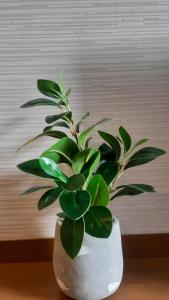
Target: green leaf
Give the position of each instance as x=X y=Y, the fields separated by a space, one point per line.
x=39 y=102
x=125 y=137
x=62 y=151
x=53 y=118
x=144 y=156
x=107 y=154
x=81 y=158
x=52 y=133
x=75 y=204
x=84 y=135
x=98 y=189
x=68 y=116
x=133 y=189
x=112 y=141
x=90 y=166
x=71 y=235
x=61 y=124
x=49 y=197
x=140 y=142
x=33 y=167
x=82 y=121
x=98 y=222
x=49 y=88
x=108 y=170
x=35 y=189
x=74 y=182
x=51 y=168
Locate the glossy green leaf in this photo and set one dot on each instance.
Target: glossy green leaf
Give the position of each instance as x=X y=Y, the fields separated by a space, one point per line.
x=52 y=133
x=49 y=88
x=75 y=204
x=82 y=121
x=112 y=141
x=140 y=142
x=53 y=118
x=133 y=189
x=144 y=156
x=74 y=182
x=108 y=170
x=98 y=189
x=39 y=102
x=48 y=198
x=62 y=151
x=71 y=235
x=84 y=135
x=91 y=165
x=125 y=137
x=51 y=168
x=33 y=167
x=81 y=158
x=98 y=222
x=35 y=189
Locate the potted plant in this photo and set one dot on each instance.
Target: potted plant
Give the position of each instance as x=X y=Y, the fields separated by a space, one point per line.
x=87 y=257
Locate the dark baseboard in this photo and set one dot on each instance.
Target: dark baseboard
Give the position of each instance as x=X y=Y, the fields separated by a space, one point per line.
x=144 y=245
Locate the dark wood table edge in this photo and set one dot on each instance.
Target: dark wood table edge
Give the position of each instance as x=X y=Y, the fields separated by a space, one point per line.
x=143 y=245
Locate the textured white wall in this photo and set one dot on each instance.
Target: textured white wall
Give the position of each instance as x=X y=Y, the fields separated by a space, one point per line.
x=115 y=58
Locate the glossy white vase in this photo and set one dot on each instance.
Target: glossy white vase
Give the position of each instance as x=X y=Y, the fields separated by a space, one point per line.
x=96 y=272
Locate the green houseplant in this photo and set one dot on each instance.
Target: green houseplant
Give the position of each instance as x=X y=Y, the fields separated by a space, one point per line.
x=84 y=196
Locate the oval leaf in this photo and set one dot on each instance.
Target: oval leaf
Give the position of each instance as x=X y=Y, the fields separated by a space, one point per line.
x=98 y=189
x=35 y=189
x=140 y=142
x=33 y=167
x=98 y=222
x=53 y=118
x=107 y=153
x=125 y=137
x=84 y=135
x=108 y=170
x=112 y=141
x=144 y=156
x=75 y=204
x=48 y=198
x=133 y=189
x=52 y=133
x=74 y=182
x=49 y=88
x=64 y=150
x=81 y=158
x=88 y=168
x=51 y=168
x=71 y=235
x=39 y=102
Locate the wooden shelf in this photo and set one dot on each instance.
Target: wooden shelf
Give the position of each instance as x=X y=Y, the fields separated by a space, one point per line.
x=144 y=279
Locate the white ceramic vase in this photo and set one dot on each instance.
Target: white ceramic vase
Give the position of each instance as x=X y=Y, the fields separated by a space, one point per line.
x=96 y=272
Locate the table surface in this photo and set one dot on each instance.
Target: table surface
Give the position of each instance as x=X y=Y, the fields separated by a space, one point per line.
x=144 y=279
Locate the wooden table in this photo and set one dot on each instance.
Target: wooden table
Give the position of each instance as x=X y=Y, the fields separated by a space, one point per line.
x=144 y=279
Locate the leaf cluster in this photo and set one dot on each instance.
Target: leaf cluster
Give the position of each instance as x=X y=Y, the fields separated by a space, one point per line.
x=84 y=197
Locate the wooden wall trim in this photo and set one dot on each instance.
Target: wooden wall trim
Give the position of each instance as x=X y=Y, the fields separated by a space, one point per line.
x=156 y=245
